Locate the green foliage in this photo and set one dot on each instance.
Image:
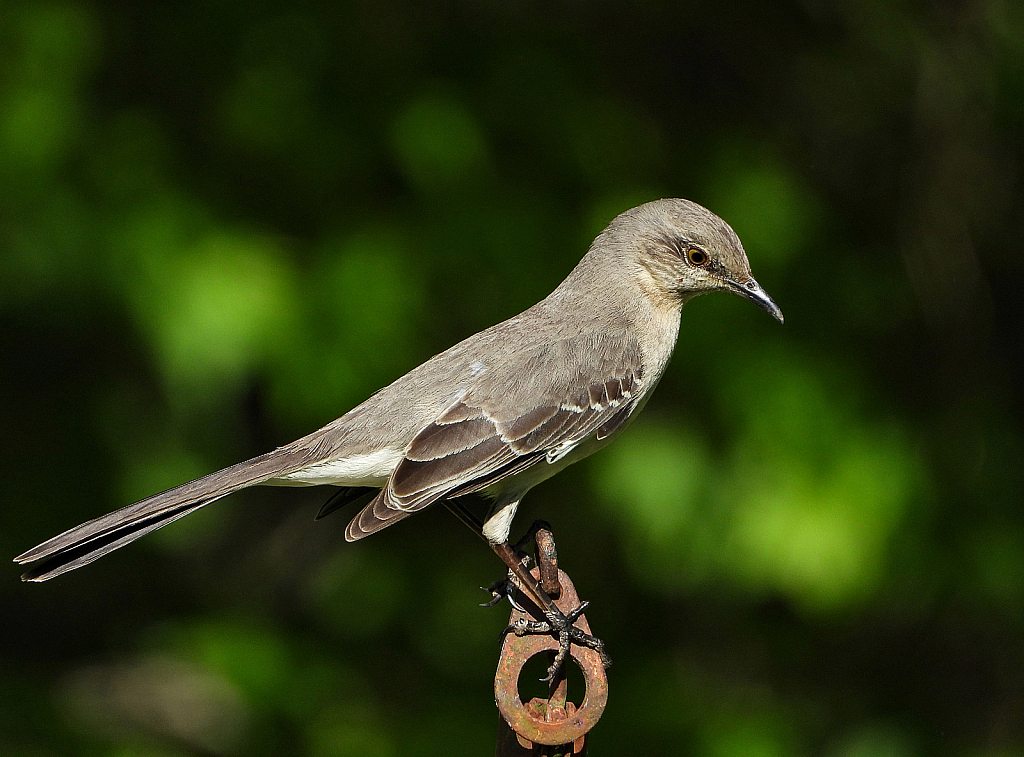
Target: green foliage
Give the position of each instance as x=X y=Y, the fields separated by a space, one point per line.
x=223 y=225
x=437 y=142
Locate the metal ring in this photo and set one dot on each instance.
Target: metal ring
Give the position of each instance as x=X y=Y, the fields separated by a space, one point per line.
x=516 y=651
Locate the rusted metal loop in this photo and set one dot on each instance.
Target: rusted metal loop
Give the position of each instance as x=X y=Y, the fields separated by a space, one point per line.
x=517 y=650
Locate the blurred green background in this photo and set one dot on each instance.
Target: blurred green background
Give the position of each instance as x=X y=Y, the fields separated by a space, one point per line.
x=224 y=224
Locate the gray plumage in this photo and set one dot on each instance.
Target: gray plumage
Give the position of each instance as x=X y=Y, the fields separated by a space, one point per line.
x=497 y=413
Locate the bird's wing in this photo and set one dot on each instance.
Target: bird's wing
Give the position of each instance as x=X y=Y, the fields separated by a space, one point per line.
x=478 y=442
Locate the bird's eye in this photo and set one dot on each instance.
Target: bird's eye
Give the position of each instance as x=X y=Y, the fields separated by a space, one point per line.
x=696 y=256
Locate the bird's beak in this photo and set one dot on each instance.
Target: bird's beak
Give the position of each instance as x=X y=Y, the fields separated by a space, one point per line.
x=753 y=292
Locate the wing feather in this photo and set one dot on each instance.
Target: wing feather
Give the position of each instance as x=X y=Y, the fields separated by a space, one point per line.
x=475 y=444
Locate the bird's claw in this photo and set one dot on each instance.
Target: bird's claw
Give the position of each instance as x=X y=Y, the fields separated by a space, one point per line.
x=500 y=590
x=561 y=625
x=496 y=596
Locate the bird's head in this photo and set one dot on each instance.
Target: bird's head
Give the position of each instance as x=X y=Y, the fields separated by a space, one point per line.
x=686 y=250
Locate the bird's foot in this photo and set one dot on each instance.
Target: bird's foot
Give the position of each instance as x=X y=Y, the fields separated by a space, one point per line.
x=499 y=590
x=562 y=626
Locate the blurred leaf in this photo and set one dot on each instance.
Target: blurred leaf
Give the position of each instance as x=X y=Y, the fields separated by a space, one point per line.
x=348 y=733
x=253 y=658
x=360 y=307
x=817 y=491
x=216 y=303
x=773 y=212
x=359 y=598
x=739 y=736
x=55 y=45
x=438 y=141
x=653 y=483
x=268 y=107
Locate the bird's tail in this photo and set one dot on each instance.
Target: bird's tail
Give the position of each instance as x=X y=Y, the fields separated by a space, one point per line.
x=82 y=544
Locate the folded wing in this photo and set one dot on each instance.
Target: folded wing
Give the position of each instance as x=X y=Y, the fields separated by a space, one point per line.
x=475 y=444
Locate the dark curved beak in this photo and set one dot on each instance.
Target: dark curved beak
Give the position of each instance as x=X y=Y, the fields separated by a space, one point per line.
x=753 y=292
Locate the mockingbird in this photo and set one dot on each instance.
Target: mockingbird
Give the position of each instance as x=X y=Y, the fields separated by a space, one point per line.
x=497 y=413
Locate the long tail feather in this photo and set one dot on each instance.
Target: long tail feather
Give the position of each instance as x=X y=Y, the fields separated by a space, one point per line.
x=83 y=544
x=85 y=552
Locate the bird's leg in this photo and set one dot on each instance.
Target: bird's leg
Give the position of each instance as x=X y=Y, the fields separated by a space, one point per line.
x=557 y=622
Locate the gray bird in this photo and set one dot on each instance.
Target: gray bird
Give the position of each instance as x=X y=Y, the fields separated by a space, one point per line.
x=497 y=413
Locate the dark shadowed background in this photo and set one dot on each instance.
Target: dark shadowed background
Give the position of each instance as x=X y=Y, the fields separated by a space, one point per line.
x=224 y=224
